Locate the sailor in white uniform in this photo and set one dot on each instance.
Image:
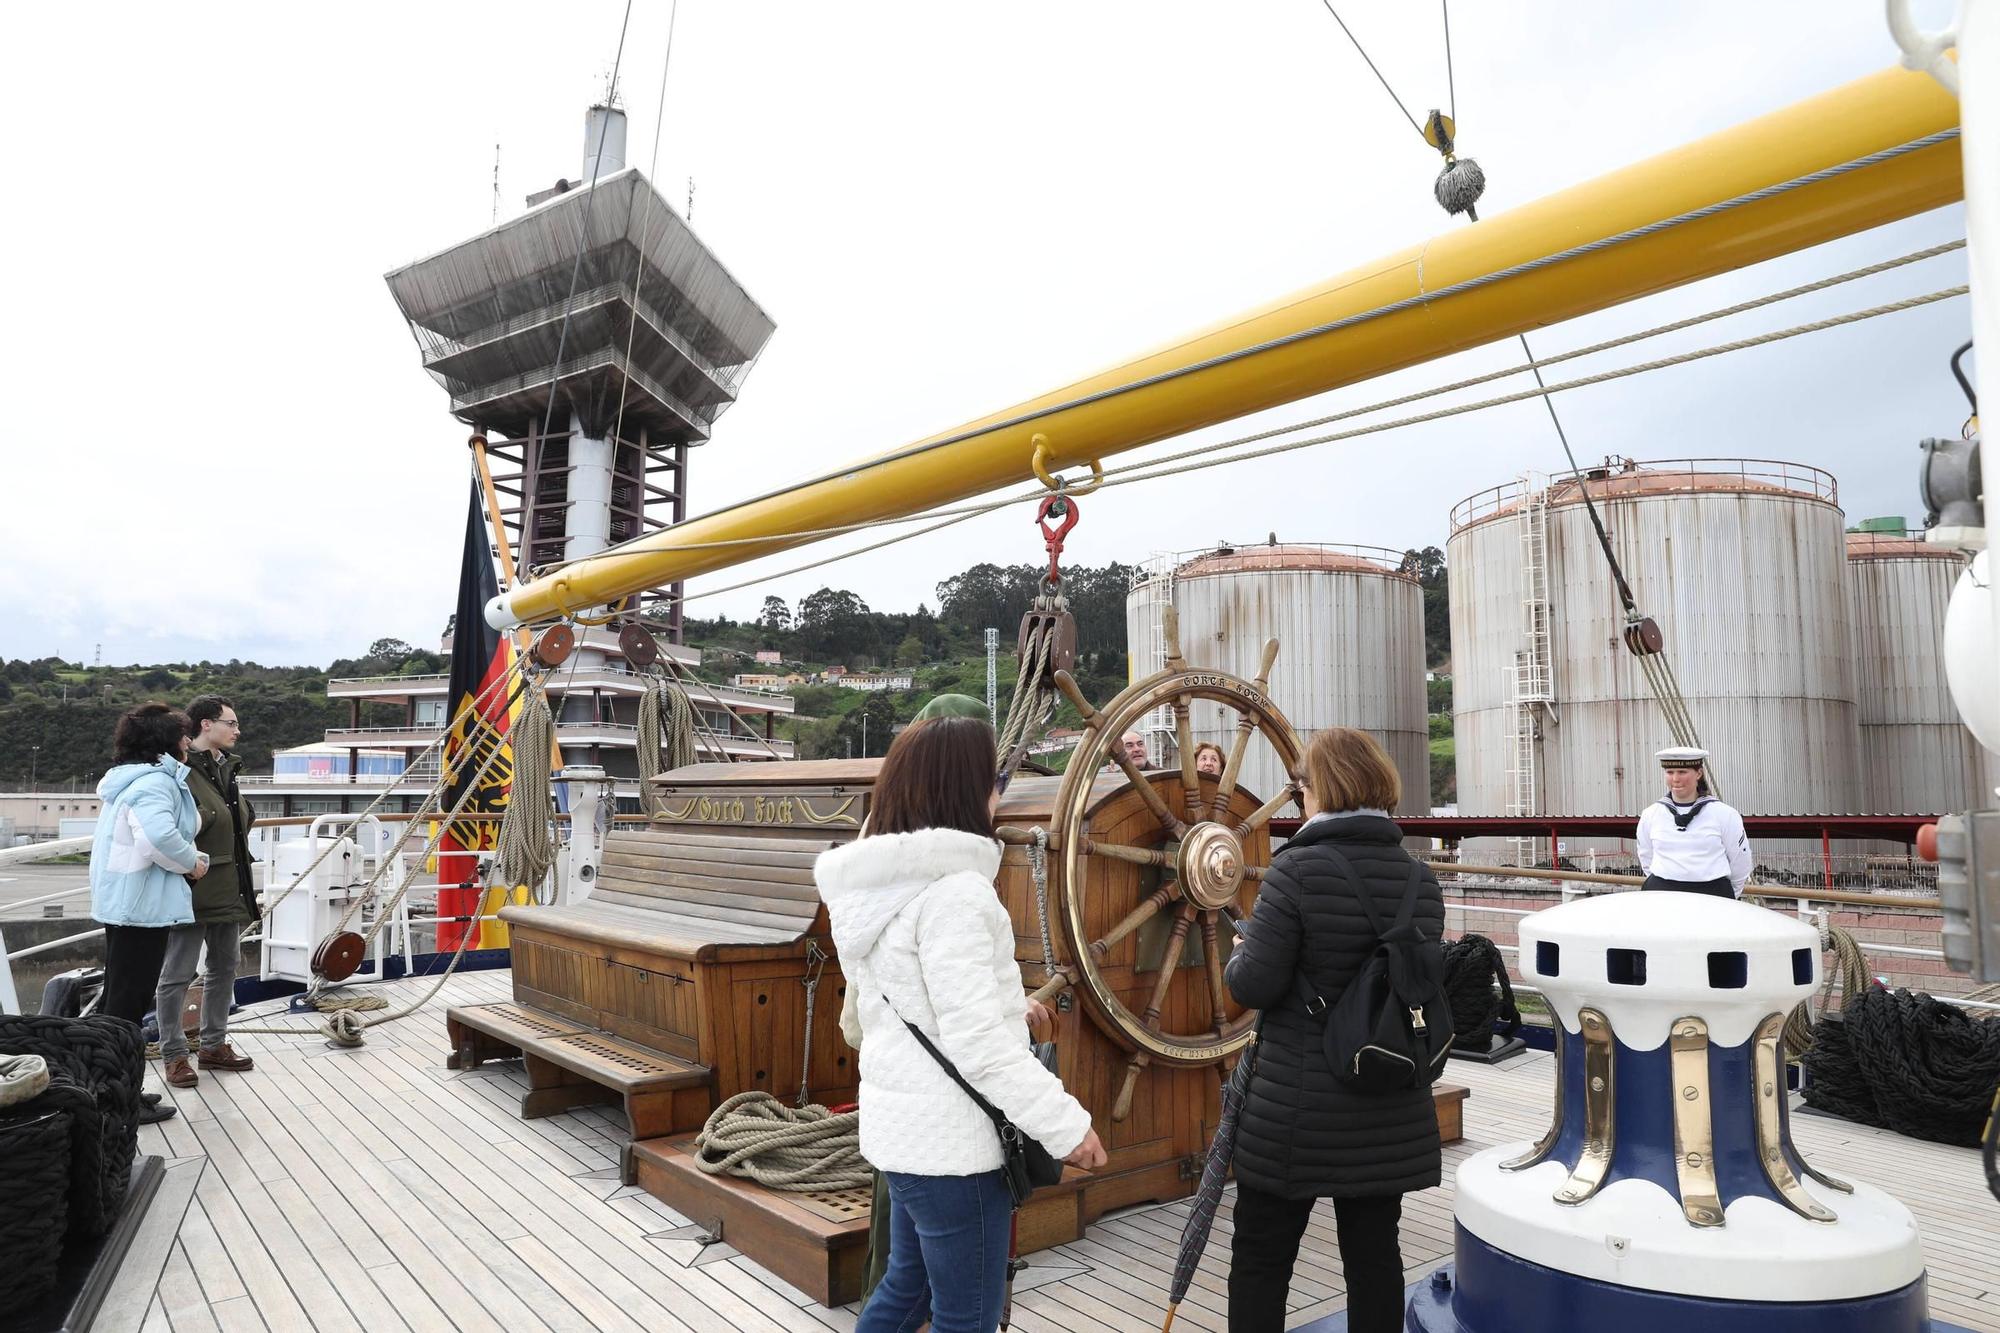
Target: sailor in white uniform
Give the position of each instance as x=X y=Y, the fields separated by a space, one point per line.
x=1688 y=840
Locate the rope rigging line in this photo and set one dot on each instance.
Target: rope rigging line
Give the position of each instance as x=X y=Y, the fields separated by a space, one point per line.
x=345 y=1026
x=1113 y=477
x=472 y=714
x=1202 y=455
x=645 y=220
x=686 y=678
x=1363 y=52
x=666 y=737
x=494 y=746
x=583 y=225
x=1421 y=300
x=1450 y=79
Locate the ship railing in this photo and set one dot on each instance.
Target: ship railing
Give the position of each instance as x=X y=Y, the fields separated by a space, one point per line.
x=1806 y=905
x=1665 y=476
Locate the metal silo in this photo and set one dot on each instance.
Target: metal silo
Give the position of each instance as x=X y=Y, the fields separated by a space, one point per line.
x=1916 y=755
x=1742 y=563
x=1351 y=626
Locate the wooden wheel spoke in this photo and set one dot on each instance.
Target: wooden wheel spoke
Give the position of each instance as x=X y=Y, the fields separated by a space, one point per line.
x=1263 y=814
x=1211 y=947
x=1184 y=739
x=1136 y=918
x=1168 y=820
x=1121 y=1106
x=1232 y=769
x=1170 y=962
x=1118 y=851
x=1245 y=724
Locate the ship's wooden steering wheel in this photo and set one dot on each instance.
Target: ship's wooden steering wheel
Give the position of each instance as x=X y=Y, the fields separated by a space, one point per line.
x=1204 y=836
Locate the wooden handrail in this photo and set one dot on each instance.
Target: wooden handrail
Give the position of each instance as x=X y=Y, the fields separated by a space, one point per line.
x=1749 y=890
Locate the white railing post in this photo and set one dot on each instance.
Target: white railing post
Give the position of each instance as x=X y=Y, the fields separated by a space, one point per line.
x=10 y=1003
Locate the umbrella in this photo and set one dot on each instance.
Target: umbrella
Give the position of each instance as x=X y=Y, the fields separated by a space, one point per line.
x=1201 y=1214
x=1045 y=1051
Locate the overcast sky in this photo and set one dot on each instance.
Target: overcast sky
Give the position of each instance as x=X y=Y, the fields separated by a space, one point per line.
x=223 y=443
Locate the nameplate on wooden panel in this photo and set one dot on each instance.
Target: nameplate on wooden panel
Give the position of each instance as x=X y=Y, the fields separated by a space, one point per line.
x=805 y=809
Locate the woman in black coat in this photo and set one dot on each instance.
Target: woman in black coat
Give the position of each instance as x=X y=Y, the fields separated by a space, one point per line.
x=1303 y=1135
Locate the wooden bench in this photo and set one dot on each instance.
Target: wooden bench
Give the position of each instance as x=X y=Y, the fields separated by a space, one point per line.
x=680 y=980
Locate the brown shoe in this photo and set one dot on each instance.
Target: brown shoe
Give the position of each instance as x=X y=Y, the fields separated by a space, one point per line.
x=180 y=1072
x=222 y=1057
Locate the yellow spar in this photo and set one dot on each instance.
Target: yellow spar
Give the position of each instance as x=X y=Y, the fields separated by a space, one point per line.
x=1872 y=114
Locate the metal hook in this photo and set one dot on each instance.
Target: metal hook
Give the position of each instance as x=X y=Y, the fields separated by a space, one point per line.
x=1040 y=462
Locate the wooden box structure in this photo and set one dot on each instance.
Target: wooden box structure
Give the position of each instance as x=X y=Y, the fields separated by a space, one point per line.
x=701 y=966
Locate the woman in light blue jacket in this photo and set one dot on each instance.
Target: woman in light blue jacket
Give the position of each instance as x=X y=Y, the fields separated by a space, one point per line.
x=144 y=856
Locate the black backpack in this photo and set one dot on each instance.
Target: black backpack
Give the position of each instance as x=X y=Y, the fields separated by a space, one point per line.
x=1391 y=1029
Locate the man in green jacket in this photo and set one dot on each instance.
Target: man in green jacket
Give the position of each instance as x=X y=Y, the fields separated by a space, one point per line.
x=225 y=900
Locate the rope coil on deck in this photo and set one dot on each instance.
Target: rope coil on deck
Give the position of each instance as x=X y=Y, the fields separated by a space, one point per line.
x=805 y=1149
x=1908 y=1063
x=1472 y=963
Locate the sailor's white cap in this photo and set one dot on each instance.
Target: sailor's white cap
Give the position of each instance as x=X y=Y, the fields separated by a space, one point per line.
x=1681 y=756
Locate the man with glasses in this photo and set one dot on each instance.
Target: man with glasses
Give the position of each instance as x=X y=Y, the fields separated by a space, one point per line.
x=225 y=900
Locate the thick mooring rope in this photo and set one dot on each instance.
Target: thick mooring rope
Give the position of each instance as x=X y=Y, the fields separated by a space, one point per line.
x=1908 y=1063
x=1472 y=964
x=805 y=1149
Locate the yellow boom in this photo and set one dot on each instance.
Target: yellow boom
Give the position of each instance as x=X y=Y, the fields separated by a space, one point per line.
x=1873 y=114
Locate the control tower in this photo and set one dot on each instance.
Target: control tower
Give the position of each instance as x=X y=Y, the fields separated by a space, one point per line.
x=657 y=341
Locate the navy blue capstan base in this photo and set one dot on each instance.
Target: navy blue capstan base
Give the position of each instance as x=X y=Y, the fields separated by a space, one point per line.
x=1491 y=1291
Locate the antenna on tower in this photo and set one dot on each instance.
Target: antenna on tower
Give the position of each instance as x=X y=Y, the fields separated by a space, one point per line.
x=690 y=214
x=97 y=658
x=496 y=183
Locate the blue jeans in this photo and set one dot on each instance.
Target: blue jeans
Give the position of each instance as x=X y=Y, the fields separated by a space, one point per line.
x=948 y=1243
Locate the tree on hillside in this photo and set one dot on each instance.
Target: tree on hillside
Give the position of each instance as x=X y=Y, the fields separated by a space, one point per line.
x=834 y=620
x=776 y=617
x=1429 y=567
x=910 y=652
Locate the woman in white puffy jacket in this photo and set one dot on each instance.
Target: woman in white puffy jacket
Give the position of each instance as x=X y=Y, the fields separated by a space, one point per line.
x=923 y=938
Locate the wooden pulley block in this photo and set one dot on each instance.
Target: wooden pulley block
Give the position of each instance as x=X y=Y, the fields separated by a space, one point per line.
x=1643 y=637
x=639 y=647
x=338 y=955
x=1062 y=647
x=553 y=646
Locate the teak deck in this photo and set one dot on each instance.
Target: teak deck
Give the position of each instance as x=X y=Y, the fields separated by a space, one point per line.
x=372 y=1189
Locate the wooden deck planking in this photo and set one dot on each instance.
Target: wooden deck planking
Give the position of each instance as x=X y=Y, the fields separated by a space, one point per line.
x=374 y=1189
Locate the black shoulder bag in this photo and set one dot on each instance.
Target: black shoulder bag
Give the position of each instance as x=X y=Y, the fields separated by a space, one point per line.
x=1391 y=1029
x=1024 y=1162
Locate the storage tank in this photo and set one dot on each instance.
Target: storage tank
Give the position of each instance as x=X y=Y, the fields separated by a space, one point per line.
x=1350 y=624
x=1743 y=564
x=1916 y=755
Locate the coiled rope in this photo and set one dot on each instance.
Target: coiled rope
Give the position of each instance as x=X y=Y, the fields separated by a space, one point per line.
x=1472 y=964
x=1850 y=970
x=666 y=737
x=804 y=1150
x=1908 y=1063
x=525 y=847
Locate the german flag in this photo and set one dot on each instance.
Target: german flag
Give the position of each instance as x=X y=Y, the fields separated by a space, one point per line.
x=480 y=655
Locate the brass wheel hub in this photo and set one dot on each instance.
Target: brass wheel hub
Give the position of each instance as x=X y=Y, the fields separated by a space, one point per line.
x=1211 y=865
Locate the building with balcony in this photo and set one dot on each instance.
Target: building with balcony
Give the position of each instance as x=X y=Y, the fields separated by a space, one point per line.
x=596 y=707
